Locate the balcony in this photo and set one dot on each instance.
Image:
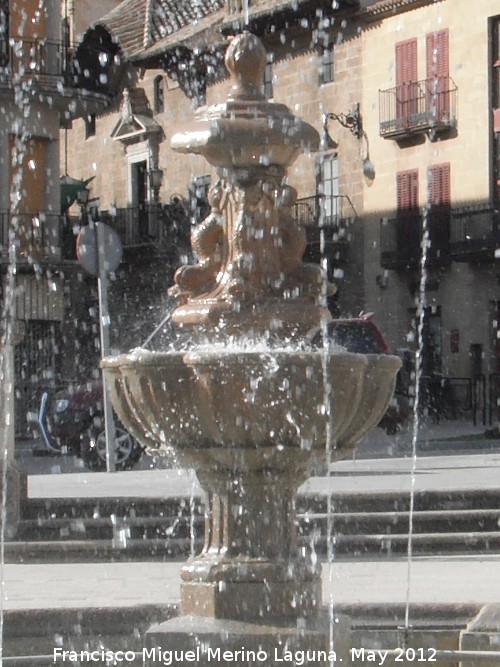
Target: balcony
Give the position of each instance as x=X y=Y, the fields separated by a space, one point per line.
x=52 y=66
x=332 y=211
x=474 y=233
x=37 y=235
x=326 y=220
x=137 y=226
x=401 y=239
x=418 y=107
x=162 y=227
x=32 y=59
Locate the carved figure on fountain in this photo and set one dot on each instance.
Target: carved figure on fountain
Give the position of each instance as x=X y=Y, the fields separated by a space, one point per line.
x=207 y=241
x=249 y=248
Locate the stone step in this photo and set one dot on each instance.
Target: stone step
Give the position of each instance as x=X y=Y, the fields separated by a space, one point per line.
x=29 y=636
x=310 y=524
x=361 y=524
x=432 y=521
x=31 y=633
x=106 y=528
x=353 y=545
x=400 y=502
x=96 y=508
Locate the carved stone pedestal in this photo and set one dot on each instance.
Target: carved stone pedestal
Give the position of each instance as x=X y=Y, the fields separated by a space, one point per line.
x=250 y=567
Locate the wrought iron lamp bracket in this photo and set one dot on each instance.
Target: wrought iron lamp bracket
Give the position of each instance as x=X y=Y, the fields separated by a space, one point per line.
x=350 y=120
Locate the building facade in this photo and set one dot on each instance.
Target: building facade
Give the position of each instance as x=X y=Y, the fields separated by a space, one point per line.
x=40 y=90
x=430 y=107
x=410 y=94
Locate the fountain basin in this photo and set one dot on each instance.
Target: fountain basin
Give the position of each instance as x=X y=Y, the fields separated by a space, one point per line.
x=152 y=395
x=244 y=409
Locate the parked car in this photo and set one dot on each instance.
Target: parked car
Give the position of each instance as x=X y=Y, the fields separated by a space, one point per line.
x=361 y=335
x=72 y=421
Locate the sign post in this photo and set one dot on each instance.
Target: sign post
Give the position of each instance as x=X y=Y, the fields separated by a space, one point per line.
x=99 y=251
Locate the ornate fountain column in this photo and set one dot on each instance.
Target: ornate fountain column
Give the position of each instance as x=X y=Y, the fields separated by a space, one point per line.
x=250 y=419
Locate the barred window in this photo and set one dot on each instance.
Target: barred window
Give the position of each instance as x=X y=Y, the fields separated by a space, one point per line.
x=326 y=65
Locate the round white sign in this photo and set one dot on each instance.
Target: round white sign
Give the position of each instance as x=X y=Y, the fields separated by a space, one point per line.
x=87 y=243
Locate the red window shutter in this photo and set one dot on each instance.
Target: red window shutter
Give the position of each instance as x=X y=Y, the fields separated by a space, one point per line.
x=407 y=189
x=438 y=73
x=439 y=196
x=406 y=77
x=406 y=62
x=439 y=186
x=438 y=54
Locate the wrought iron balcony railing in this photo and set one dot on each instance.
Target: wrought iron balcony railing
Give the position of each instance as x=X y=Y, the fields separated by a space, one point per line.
x=324 y=211
x=474 y=233
x=36 y=234
x=164 y=226
x=326 y=220
x=136 y=226
x=48 y=61
x=401 y=238
x=33 y=58
x=411 y=108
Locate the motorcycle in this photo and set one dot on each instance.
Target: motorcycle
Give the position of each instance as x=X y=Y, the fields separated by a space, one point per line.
x=71 y=422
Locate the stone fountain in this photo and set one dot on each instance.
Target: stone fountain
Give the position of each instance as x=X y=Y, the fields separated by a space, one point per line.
x=249 y=404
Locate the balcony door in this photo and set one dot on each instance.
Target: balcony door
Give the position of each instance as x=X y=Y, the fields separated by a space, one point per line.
x=27 y=25
x=495 y=322
x=27 y=182
x=437 y=78
x=431 y=342
x=4 y=32
x=139 y=198
x=406 y=82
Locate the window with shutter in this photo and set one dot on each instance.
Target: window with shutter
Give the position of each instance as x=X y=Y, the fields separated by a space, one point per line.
x=438 y=179
x=406 y=81
x=326 y=64
x=407 y=190
x=438 y=74
x=439 y=199
x=268 y=78
x=408 y=218
x=495 y=104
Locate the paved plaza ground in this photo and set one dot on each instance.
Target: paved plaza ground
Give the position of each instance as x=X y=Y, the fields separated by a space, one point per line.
x=433 y=581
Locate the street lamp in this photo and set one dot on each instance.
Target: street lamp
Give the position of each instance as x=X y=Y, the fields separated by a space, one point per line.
x=350 y=120
x=155 y=180
x=82 y=198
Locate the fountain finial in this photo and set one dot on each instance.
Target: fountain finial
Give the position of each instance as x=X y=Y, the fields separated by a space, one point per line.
x=246 y=61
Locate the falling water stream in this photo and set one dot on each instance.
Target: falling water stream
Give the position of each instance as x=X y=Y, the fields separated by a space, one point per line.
x=416 y=409
x=22 y=89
